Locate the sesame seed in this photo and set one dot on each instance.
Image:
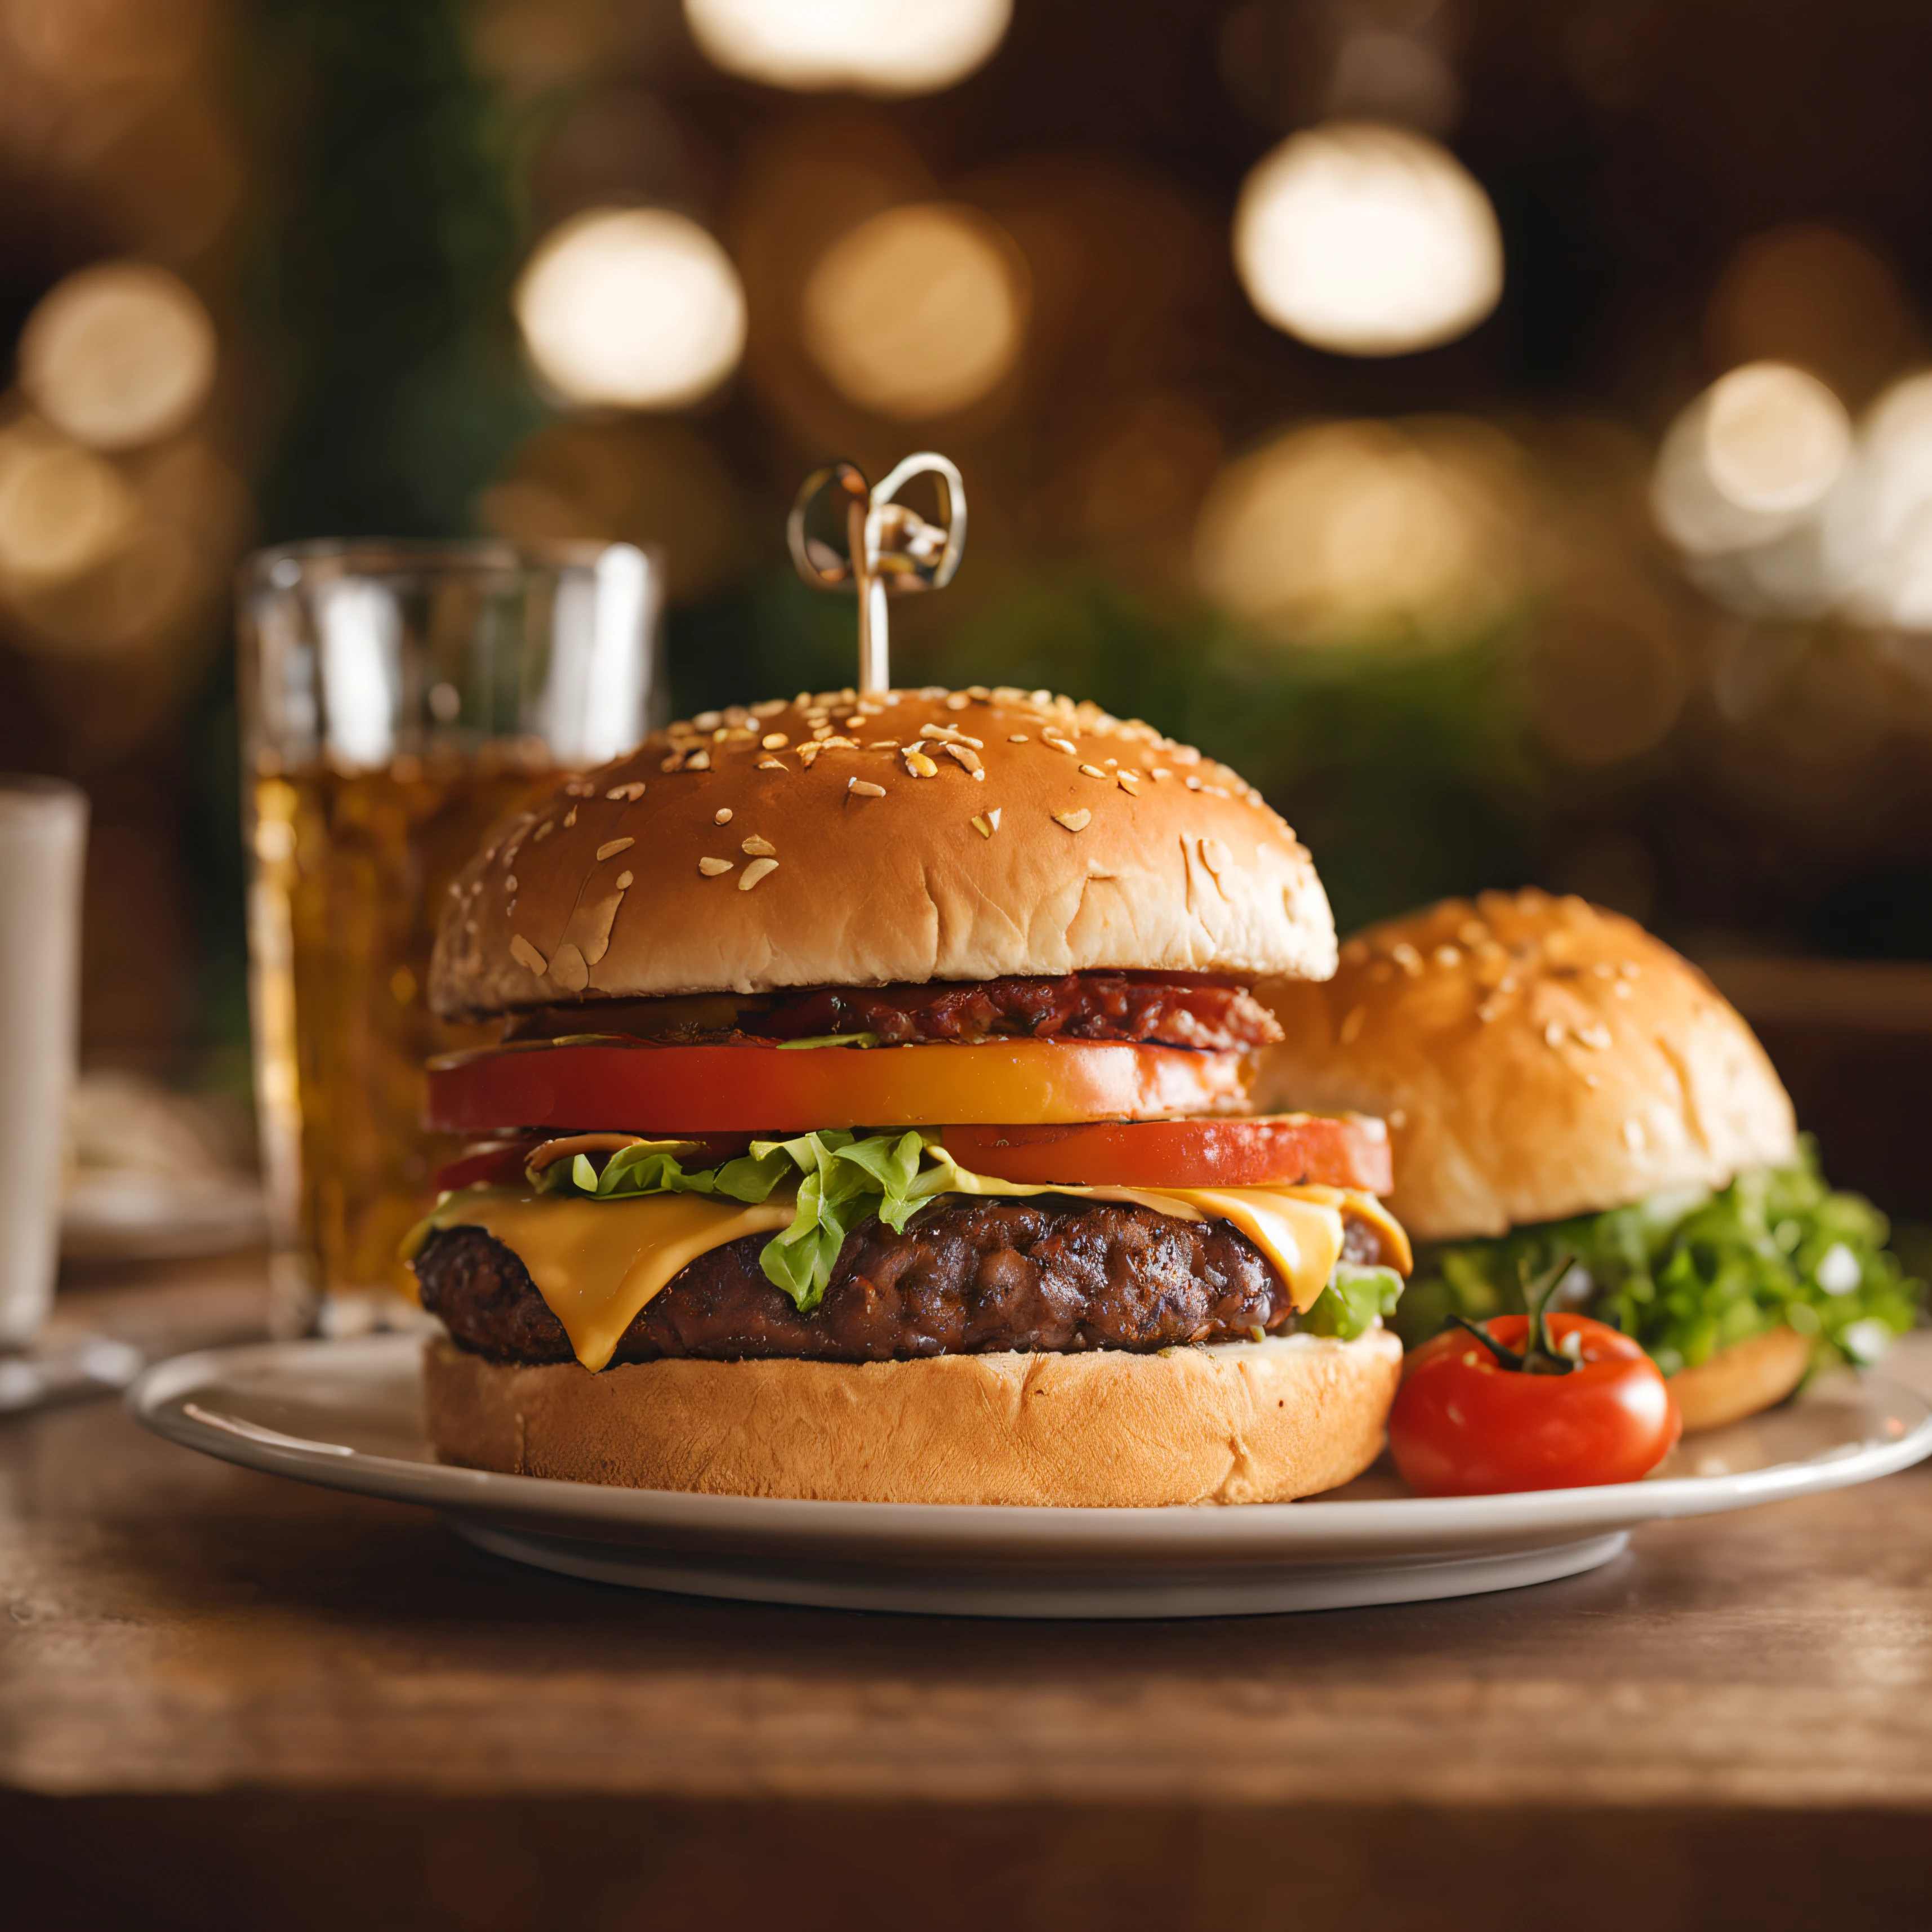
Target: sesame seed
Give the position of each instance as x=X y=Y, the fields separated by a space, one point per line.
x=1192 y=783
x=919 y=765
x=1447 y=955
x=980 y=826
x=965 y=755
x=883 y=744
x=807 y=753
x=839 y=744
x=570 y=818
x=675 y=763
x=625 y=881
x=722 y=816
x=712 y=869
x=756 y=847
x=770 y=708
x=1633 y=1135
x=527 y=956
x=958 y=701
x=773 y=765
x=1161 y=771
x=1597 y=1038
x=865 y=788
x=634 y=790
x=1074 y=821
x=1552 y=1034
x=1017 y=738
x=1092 y=772
x=821 y=732
x=774 y=741
x=510 y=883
x=709 y=720
x=993 y=818
x=1622 y=989
x=542 y=832
x=757 y=870
x=699 y=761
x=1059 y=744
x=1352 y=1024
x=611 y=847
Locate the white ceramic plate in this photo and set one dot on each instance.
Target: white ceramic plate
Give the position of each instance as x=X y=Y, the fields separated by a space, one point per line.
x=348 y=1415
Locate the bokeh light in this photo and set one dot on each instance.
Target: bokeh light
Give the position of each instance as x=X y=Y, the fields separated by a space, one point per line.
x=918 y=312
x=62 y=507
x=1878 y=528
x=881 y=47
x=1366 y=532
x=1775 y=438
x=1368 y=240
x=119 y=355
x=631 y=308
x=1748 y=458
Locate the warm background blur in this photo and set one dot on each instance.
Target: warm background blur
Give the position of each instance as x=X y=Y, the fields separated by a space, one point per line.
x=1524 y=473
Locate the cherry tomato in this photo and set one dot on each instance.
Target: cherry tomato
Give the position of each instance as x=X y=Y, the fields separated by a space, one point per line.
x=1275 y=1149
x=694 y=1090
x=1464 y=1424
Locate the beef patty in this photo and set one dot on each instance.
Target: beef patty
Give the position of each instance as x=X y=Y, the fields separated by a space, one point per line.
x=969 y=1276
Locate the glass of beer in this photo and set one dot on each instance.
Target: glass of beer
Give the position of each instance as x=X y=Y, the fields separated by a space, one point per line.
x=397 y=699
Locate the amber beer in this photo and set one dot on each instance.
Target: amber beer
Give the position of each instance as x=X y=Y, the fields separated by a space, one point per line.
x=352 y=870
x=398 y=700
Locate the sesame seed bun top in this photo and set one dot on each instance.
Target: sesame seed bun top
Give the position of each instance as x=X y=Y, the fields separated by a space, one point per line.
x=1534 y=1057
x=911 y=836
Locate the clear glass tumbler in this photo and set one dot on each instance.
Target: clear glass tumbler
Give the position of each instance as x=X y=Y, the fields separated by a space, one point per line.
x=397 y=699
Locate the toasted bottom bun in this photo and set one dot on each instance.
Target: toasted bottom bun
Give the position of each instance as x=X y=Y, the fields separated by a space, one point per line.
x=1241 y=1422
x=1739 y=1381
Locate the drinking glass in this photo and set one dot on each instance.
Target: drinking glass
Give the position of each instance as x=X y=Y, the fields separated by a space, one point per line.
x=397 y=699
x=43 y=842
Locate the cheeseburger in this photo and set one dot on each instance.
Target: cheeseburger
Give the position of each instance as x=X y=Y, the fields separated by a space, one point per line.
x=1557 y=1083
x=867 y=1125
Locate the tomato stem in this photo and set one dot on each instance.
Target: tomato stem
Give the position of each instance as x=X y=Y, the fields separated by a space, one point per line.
x=1541 y=1356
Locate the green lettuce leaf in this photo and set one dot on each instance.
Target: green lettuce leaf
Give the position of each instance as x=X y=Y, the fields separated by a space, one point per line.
x=1688 y=1273
x=841 y=1180
x=1355 y=1298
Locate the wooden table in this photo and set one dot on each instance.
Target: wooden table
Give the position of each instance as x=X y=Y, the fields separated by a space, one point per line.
x=228 y=1698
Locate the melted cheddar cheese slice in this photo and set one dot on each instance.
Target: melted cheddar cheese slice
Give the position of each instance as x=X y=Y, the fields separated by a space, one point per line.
x=597 y=1263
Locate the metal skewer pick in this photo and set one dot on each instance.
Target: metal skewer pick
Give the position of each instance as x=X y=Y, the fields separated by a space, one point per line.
x=890 y=550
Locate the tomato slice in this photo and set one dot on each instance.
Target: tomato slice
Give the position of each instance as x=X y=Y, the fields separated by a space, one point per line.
x=1270 y=1150
x=694 y=1090
x=1464 y=1425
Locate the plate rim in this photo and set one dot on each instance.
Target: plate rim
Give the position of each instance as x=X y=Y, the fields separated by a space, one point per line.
x=1019 y=1531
